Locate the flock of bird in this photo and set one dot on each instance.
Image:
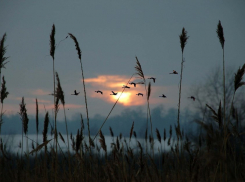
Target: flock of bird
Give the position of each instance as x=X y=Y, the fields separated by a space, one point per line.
x=133 y=83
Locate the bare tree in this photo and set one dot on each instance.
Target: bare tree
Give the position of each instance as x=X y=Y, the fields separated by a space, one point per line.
x=211 y=92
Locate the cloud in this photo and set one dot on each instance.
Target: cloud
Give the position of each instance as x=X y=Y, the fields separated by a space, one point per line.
x=39 y=92
x=108 y=83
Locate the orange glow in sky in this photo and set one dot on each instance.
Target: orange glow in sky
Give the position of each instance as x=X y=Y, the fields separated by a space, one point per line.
x=108 y=83
x=125 y=99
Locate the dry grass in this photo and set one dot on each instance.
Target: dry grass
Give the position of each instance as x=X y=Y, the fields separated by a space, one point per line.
x=201 y=158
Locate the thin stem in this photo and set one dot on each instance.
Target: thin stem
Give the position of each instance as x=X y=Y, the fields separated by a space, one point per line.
x=180 y=93
x=84 y=90
x=66 y=130
x=112 y=109
x=1 y=121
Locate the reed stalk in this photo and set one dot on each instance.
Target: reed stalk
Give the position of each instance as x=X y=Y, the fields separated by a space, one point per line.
x=59 y=94
x=25 y=120
x=3 y=59
x=3 y=62
x=183 y=40
x=140 y=73
x=112 y=108
x=79 y=52
x=220 y=34
x=4 y=95
x=37 y=123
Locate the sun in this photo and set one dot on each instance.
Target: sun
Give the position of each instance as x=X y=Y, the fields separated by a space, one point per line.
x=125 y=98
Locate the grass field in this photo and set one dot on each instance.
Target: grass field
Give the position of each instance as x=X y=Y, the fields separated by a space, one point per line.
x=216 y=154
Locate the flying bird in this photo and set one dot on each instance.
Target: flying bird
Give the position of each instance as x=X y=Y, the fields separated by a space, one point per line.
x=98 y=91
x=174 y=72
x=113 y=93
x=75 y=93
x=164 y=96
x=139 y=94
x=193 y=98
x=125 y=86
x=154 y=79
x=132 y=83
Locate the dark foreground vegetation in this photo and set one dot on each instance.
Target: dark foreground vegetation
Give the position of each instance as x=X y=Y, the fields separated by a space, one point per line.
x=215 y=153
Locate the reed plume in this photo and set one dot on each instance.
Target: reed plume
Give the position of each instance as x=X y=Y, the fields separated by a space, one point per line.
x=25 y=120
x=79 y=52
x=111 y=132
x=102 y=142
x=238 y=78
x=4 y=95
x=139 y=70
x=52 y=42
x=158 y=136
x=45 y=127
x=78 y=141
x=131 y=131
x=183 y=39
x=148 y=101
x=3 y=59
x=220 y=34
x=23 y=115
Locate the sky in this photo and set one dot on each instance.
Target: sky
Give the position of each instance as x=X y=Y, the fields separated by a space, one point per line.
x=111 y=34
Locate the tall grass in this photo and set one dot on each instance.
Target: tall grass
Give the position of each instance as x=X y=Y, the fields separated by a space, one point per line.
x=183 y=40
x=4 y=94
x=140 y=73
x=79 y=53
x=3 y=59
x=3 y=62
x=215 y=154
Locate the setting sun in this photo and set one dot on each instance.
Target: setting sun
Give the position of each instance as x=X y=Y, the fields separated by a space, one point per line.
x=124 y=99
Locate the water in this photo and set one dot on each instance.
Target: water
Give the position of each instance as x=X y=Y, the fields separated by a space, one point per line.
x=13 y=142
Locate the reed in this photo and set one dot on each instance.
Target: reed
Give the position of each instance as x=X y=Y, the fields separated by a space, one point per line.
x=183 y=40
x=140 y=73
x=102 y=143
x=79 y=53
x=214 y=154
x=112 y=108
x=220 y=34
x=131 y=132
x=25 y=120
x=3 y=49
x=37 y=121
x=52 y=52
x=4 y=94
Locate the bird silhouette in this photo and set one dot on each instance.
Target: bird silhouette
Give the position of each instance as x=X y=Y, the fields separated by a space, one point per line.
x=125 y=86
x=139 y=94
x=113 y=93
x=98 y=91
x=132 y=83
x=174 y=72
x=154 y=79
x=193 y=98
x=164 y=96
x=75 y=93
